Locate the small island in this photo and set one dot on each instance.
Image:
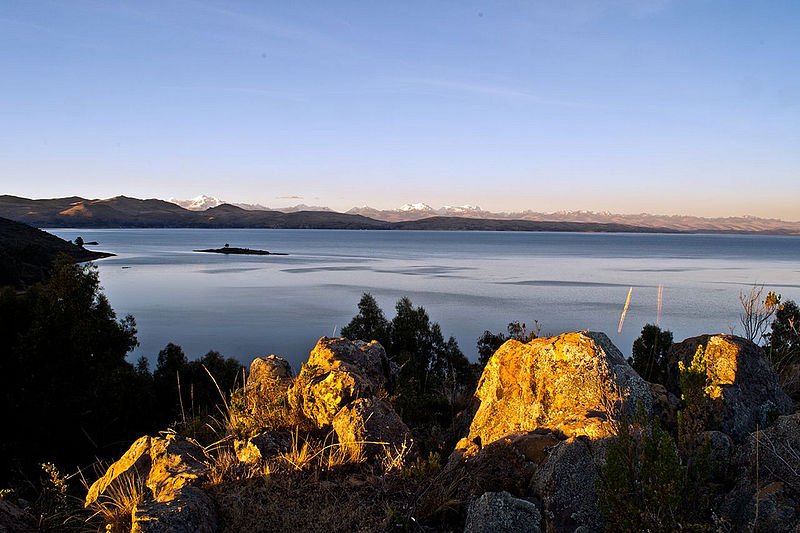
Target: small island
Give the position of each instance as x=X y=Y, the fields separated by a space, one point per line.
x=227 y=249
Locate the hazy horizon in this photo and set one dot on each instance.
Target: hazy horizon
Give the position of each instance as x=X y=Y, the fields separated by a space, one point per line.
x=277 y=206
x=625 y=106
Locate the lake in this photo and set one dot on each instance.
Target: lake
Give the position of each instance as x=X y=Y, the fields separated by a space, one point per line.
x=246 y=306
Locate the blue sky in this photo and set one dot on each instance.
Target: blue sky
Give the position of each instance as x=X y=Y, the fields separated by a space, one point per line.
x=621 y=105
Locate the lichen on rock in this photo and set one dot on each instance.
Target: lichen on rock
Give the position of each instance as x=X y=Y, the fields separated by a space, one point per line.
x=742 y=387
x=338 y=372
x=578 y=384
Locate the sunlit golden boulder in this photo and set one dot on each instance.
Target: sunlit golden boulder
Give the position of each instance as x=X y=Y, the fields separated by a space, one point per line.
x=577 y=384
x=338 y=372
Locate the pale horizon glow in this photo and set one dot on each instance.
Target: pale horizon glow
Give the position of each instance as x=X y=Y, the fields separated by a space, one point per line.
x=686 y=107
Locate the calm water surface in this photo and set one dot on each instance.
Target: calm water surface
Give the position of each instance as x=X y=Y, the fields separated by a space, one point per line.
x=244 y=306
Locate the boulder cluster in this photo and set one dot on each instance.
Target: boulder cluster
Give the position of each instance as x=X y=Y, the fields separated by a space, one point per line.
x=535 y=435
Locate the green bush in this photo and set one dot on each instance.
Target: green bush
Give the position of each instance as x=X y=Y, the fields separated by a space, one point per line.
x=650 y=353
x=69 y=394
x=642 y=482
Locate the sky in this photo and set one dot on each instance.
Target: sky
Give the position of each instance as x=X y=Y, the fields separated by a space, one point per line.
x=628 y=106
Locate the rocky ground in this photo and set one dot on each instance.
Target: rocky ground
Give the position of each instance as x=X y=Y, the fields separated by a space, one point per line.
x=326 y=451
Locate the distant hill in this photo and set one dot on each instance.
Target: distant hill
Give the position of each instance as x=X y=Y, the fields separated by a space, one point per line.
x=125 y=212
x=680 y=223
x=440 y=223
x=27 y=254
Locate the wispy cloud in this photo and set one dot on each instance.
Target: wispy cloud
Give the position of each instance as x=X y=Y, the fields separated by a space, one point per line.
x=275 y=28
x=480 y=89
x=221 y=89
x=292 y=197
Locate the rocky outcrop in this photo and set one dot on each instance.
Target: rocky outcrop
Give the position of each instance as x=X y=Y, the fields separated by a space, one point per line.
x=665 y=406
x=578 y=384
x=560 y=474
x=14 y=519
x=500 y=512
x=566 y=484
x=267 y=376
x=545 y=410
x=743 y=389
x=171 y=470
x=338 y=372
x=373 y=424
x=134 y=463
x=507 y=464
x=766 y=492
x=262 y=446
x=255 y=406
x=190 y=510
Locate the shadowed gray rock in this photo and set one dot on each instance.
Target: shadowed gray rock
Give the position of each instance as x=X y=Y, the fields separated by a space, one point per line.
x=743 y=388
x=768 y=468
x=189 y=511
x=370 y=421
x=15 y=520
x=500 y=512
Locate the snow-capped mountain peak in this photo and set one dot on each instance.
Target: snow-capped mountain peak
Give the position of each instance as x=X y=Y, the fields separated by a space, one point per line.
x=198 y=203
x=415 y=207
x=466 y=208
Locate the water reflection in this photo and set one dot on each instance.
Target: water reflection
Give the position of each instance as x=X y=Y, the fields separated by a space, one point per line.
x=253 y=305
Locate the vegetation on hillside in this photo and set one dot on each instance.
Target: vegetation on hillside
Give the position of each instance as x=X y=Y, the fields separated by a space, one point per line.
x=489 y=342
x=435 y=378
x=70 y=396
x=27 y=254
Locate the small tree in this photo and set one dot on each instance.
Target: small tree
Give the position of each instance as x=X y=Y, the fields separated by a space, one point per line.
x=756 y=312
x=641 y=483
x=784 y=337
x=369 y=324
x=693 y=419
x=650 y=353
x=169 y=378
x=79 y=241
x=783 y=346
x=488 y=343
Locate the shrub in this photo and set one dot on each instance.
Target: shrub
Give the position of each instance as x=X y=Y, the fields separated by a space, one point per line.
x=783 y=346
x=694 y=418
x=68 y=392
x=489 y=342
x=649 y=353
x=641 y=483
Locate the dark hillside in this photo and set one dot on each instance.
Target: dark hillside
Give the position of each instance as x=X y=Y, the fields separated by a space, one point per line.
x=27 y=254
x=441 y=223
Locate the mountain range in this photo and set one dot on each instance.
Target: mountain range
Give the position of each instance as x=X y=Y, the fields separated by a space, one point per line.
x=203 y=202
x=418 y=211
x=123 y=211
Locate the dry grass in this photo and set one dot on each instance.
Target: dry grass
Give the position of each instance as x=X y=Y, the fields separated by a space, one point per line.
x=249 y=413
x=344 y=453
x=438 y=500
x=302 y=455
x=395 y=458
x=307 y=453
x=116 y=505
x=301 y=501
x=225 y=466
